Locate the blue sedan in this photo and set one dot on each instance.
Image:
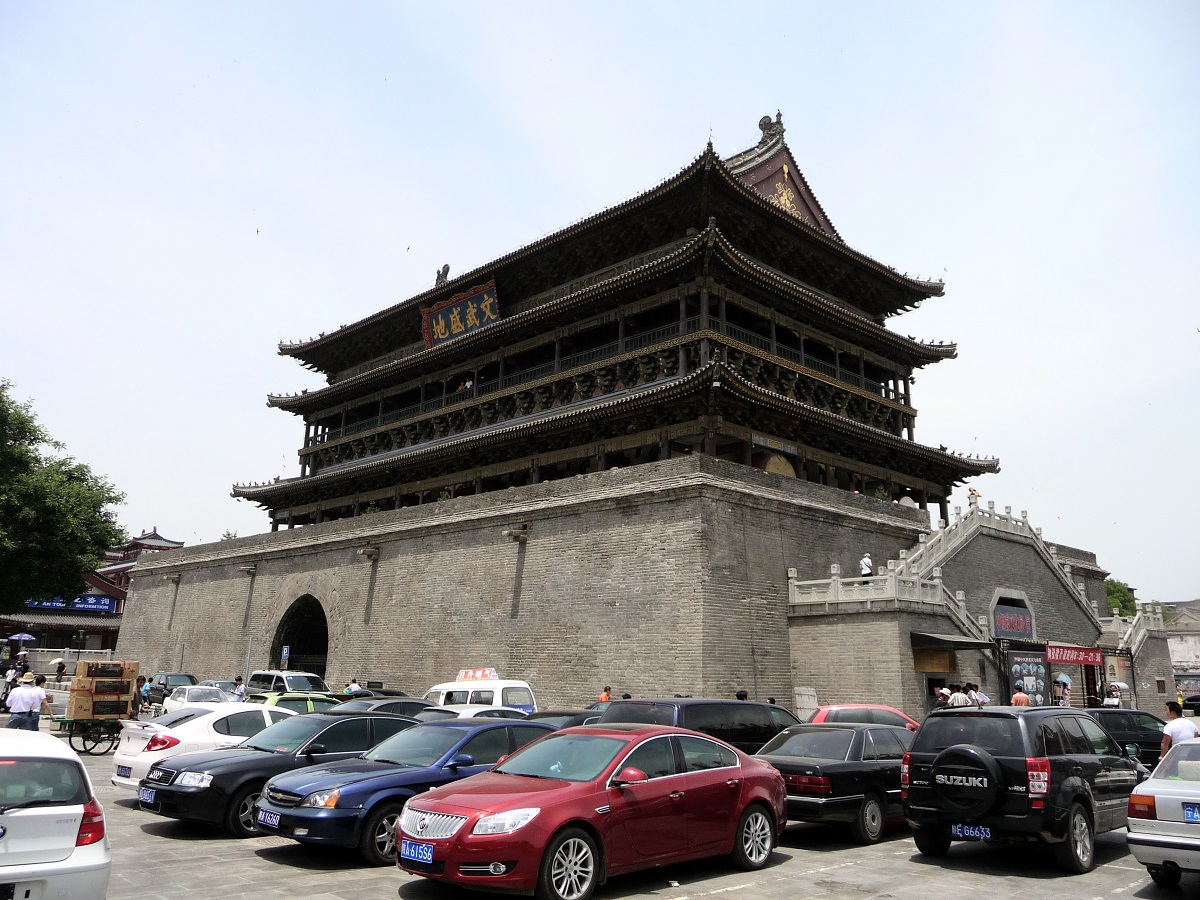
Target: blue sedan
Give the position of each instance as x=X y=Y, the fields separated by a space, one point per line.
x=356 y=802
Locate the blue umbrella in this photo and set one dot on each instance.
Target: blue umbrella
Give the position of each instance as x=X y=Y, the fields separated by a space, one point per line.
x=21 y=636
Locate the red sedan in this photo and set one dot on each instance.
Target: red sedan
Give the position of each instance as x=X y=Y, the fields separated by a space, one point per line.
x=564 y=813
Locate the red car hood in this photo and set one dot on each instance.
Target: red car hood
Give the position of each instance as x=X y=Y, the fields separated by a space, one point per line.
x=489 y=791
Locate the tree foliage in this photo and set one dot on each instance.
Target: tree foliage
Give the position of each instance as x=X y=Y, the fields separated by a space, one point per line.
x=56 y=516
x=1119 y=596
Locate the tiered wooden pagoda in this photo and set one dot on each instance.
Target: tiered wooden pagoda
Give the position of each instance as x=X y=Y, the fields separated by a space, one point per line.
x=719 y=313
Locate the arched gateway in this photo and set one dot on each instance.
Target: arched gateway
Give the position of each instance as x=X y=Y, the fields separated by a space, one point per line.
x=304 y=630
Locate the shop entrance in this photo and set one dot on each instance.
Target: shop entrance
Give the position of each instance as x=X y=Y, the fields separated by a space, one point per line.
x=304 y=630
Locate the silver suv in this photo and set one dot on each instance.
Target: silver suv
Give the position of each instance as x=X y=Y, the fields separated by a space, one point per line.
x=282 y=680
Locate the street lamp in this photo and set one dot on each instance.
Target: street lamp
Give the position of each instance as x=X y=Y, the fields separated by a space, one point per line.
x=80 y=634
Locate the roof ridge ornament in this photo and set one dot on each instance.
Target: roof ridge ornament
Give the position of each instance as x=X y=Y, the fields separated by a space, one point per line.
x=443 y=276
x=770 y=130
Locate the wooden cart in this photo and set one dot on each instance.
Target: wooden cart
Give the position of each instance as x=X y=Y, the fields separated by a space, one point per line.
x=92 y=736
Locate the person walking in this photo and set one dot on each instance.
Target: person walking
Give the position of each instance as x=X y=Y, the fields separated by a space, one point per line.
x=866 y=567
x=39 y=685
x=10 y=680
x=58 y=671
x=137 y=702
x=943 y=699
x=1020 y=698
x=605 y=695
x=239 y=689
x=957 y=697
x=22 y=703
x=1177 y=728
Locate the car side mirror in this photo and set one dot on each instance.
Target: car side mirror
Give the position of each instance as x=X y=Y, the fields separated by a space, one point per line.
x=462 y=760
x=314 y=749
x=630 y=775
x=1131 y=750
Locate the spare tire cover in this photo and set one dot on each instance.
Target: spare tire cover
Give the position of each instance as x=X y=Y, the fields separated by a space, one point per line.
x=967 y=780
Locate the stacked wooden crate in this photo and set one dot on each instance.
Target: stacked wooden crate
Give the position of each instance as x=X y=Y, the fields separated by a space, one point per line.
x=102 y=690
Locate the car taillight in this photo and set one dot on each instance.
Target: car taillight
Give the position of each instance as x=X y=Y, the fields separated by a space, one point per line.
x=160 y=742
x=1037 y=772
x=904 y=776
x=807 y=784
x=1141 y=806
x=91 y=826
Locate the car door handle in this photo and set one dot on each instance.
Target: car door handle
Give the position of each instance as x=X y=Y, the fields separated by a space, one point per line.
x=734 y=782
x=677 y=795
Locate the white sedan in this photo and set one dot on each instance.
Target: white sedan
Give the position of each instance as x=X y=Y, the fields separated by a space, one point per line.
x=207 y=727
x=191 y=694
x=468 y=711
x=55 y=841
x=1164 y=816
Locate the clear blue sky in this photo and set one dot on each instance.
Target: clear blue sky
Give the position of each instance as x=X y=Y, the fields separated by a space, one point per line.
x=186 y=184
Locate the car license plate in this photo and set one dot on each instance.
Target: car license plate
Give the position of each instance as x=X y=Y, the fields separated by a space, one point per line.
x=1191 y=812
x=417 y=852
x=971 y=832
x=268 y=818
x=123 y=771
x=146 y=795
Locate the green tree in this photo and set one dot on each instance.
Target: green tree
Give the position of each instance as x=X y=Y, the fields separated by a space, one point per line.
x=56 y=516
x=228 y=535
x=1119 y=596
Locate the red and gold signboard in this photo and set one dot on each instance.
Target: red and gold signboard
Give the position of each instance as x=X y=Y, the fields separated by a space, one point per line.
x=1057 y=654
x=461 y=314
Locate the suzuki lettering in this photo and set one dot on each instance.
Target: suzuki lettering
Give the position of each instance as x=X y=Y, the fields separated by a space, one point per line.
x=962 y=780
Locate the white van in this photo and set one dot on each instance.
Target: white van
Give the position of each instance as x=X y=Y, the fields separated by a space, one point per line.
x=486 y=691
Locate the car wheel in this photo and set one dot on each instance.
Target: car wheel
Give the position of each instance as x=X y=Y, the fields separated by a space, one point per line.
x=932 y=840
x=868 y=825
x=569 y=867
x=239 y=816
x=378 y=842
x=1164 y=877
x=755 y=839
x=1077 y=853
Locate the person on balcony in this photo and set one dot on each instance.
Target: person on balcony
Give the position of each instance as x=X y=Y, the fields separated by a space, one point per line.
x=866 y=567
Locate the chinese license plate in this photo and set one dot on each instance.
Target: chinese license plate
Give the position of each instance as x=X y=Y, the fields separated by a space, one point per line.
x=146 y=795
x=268 y=818
x=971 y=832
x=123 y=771
x=416 y=851
x=1191 y=812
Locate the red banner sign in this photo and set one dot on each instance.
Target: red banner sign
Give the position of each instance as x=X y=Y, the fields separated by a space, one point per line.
x=488 y=674
x=1077 y=656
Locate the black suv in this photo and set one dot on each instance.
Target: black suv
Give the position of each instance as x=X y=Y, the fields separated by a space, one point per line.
x=1017 y=774
x=746 y=724
x=162 y=683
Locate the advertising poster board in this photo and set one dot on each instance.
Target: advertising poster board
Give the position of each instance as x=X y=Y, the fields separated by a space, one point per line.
x=1028 y=671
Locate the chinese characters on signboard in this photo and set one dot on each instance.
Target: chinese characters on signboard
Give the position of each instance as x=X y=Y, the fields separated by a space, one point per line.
x=461 y=314
x=1029 y=672
x=487 y=674
x=1012 y=622
x=85 y=602
x=1074 y=656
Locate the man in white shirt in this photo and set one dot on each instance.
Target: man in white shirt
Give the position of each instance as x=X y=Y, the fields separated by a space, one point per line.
x=239 y=689
x=23 y=702
x=866 y=567
x=1177 y=728
x=352 y=687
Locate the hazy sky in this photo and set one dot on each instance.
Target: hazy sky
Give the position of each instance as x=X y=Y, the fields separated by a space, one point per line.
x=186 y=184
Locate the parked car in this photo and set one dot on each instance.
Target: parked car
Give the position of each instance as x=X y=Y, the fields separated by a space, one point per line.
x=487 y=692
x=483 y=711
x=191 y=694
x=745 y=724
x=406 y=706
x=841 y=773
x=226 y=686
x=220 y=786
x=567 y=812
x=1048 y=773
x=282 y=680
x=192 y=728
x=356 y=802
x=565 y=718
x=160 y=684
x=867 y=713
x=1132 y=726
x=435 y=714
x=1191 y=704
x=1164 y=816
x=296 y=701
x=54 y=839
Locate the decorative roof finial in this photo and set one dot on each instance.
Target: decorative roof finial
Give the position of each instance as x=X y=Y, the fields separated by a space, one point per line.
x=770 y=130
x=443 y=276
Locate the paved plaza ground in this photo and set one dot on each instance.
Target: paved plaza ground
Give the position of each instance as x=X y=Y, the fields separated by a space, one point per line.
x=161 y=859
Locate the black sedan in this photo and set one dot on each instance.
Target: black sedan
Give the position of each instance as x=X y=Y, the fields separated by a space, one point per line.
x=564 y=718
x=220 y=786
x=848 y=773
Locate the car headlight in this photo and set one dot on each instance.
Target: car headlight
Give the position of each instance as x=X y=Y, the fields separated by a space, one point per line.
x=195 y=779
x=505 y=822
x=323 y=799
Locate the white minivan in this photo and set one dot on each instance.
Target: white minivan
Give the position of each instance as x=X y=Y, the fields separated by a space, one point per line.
x=488 y=692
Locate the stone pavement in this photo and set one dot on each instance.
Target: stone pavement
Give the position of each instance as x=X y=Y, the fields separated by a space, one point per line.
x=160 y=859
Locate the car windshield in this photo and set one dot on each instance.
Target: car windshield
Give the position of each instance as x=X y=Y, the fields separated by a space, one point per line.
x=567 y=757
x=416 y=746
x=434 y=713
x=1000 y=736
x=205 y=695
x=40 y=782
x=812 y=743
x=286 y=736
x=1182 y=763
x=639 y=712
x=305 y=683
